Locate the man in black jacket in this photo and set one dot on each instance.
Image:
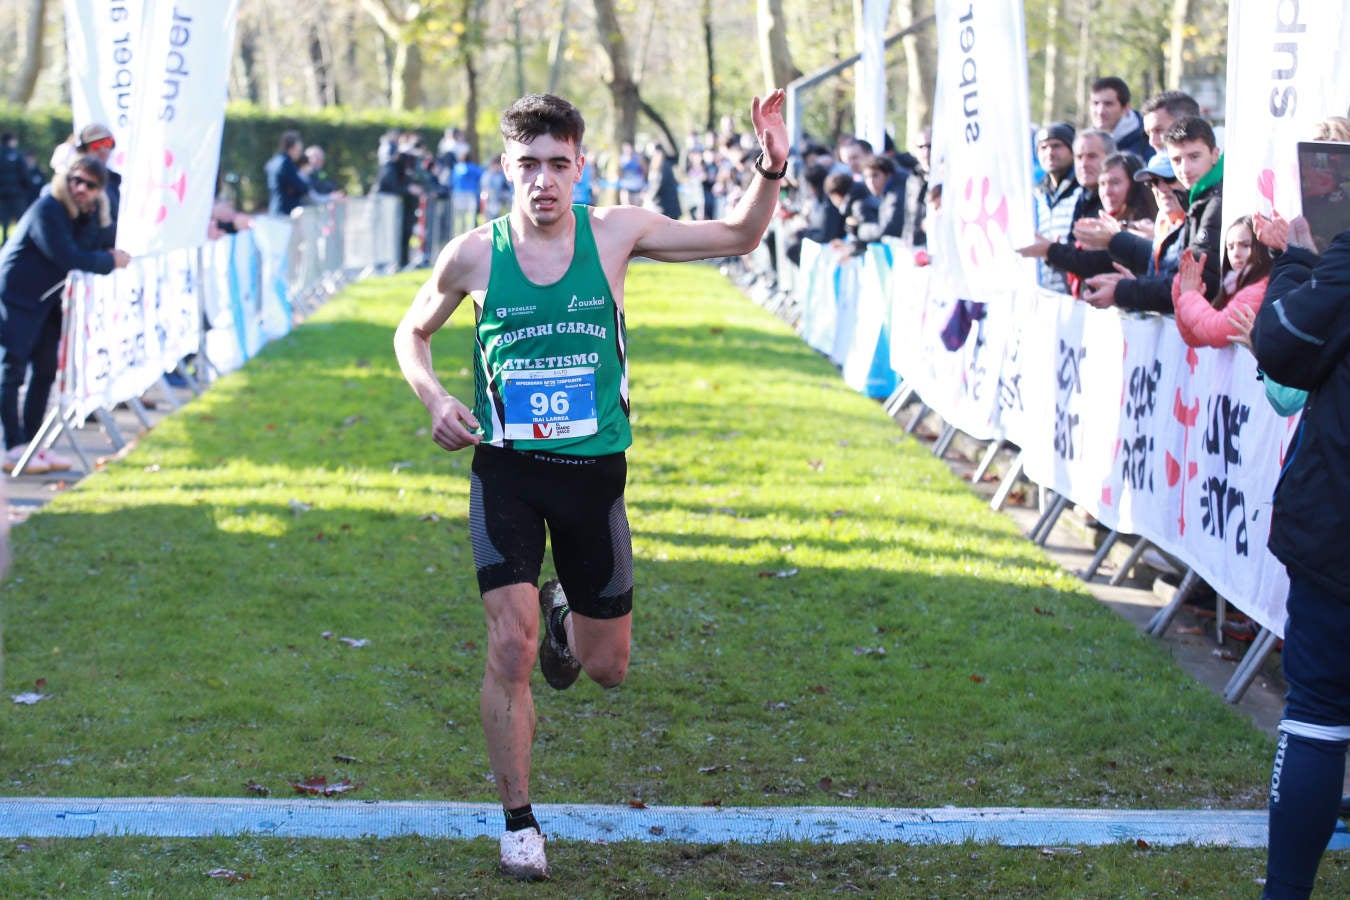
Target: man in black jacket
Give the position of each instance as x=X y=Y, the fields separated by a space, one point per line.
x=1198 y=165
x=1302 y=339
x=13 y=183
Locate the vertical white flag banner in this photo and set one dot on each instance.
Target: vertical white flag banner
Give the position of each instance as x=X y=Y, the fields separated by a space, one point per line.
x=982 y=138
x=1287 y=69
x=179 y=114
x=102 y=41
x=869 y=103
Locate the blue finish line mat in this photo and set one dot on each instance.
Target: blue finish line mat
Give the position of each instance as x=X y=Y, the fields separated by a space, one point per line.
x=57 y=817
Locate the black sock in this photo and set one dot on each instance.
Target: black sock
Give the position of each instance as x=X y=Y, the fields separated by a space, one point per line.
x=521 y=818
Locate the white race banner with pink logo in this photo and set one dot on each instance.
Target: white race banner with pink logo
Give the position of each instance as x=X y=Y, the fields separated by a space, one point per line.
x=179 y=115
x=1287 y=69
x=102 y=45
x=982 y=141
x=1150 y=436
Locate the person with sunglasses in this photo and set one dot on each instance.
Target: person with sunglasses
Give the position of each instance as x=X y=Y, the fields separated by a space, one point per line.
x=97 y=141
x=59 y=233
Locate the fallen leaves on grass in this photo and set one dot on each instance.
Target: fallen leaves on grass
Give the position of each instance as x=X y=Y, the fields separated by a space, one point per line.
x=344 y=758
x=708 y=770
x=1060 y=851
x=869 y=651
x=349 y=641
x=260 y=790
x=782 y=573
x=976 y=677
x=1043 y=612
x=637 y=804
x=318 y=785
x=30 y=697
x=230 y=876
x=298 y=506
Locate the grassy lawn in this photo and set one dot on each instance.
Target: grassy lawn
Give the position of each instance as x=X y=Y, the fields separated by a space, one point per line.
x=918 y=651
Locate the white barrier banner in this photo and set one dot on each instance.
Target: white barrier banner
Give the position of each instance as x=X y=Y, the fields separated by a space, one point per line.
x=131 y=327
x=273 y=235
x=179 y=112
x=982 y=135
x=103 y=50
x=1287 y=69
x=1151 y=436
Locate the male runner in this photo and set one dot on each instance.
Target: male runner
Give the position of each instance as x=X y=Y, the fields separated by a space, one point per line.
x=549 y=423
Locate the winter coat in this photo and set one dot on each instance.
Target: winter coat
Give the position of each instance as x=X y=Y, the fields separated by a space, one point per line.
x=1302 y=340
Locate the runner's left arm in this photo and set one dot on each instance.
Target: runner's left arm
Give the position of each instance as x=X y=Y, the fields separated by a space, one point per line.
x=669 y=240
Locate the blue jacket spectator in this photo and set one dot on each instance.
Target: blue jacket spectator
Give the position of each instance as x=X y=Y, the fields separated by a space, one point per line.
x=286 y=187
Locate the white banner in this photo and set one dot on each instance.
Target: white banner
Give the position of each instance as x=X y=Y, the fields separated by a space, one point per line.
x=982 y=140
x=869 y=98
x=130 y=328
x=102 y=46
x=1287 y=69
x=1114 y=411
x=179 y=114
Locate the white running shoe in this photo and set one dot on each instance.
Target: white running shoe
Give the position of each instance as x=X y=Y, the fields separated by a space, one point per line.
x=523 y=855
x=54 y=461
x=36 y=465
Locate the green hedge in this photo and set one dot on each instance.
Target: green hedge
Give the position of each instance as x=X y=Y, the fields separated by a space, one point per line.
x=349 y=138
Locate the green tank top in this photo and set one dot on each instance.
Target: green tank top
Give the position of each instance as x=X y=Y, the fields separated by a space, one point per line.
x=550 y=361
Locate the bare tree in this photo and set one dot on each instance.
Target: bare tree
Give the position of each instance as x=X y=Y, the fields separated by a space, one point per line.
x=30 y=64
x=623 y=89
x=920 y=65
x=779 y=69
x=1050 y=95
x=1176 y=46
x=395 y=20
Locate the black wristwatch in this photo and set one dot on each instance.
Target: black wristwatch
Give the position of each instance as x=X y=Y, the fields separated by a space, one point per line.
x=772 y=176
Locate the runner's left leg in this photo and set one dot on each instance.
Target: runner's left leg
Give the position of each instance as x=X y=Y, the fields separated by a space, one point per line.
x=506 y=703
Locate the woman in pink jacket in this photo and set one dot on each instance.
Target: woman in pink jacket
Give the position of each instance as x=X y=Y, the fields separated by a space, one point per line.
x=1246 y=269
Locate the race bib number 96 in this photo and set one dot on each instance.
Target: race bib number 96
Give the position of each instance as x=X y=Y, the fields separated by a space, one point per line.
x=550 y=404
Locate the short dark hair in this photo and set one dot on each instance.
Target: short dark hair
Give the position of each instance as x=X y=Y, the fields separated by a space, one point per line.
x=1175 y=103
x=288 y=140
x=839 y=183
x=91 y=167
x=1191 y=128
x=1113 y=83
x=880 y=164
x=536 y=114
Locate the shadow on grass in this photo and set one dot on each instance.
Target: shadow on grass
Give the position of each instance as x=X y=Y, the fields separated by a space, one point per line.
x=193 y=649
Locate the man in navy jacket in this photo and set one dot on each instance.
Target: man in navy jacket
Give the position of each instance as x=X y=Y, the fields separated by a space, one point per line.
x=1302 y=339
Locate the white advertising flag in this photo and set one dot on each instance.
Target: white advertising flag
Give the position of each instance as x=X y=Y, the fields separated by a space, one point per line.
x=102 y=41
x=870 y=101
x=982 y=141
x=179 y=114
x=1287 y=69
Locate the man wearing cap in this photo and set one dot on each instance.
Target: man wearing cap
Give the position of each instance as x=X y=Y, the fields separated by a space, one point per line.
x=1056 y=194
x=97 y=141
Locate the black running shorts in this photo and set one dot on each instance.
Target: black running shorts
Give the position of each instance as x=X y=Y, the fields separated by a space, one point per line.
x=513 y=495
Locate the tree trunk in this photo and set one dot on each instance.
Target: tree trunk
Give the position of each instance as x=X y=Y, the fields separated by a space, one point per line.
x=30 y=65
x=1050 y=95
x=405 y=68
x=248 y=63
x=471 y=106
x=1086 y=54
x=556 y=48
x=779 y=70
x=708 y=46
x=920 y=67
x=323 y=90
x=623 y=89
x=1176 y=59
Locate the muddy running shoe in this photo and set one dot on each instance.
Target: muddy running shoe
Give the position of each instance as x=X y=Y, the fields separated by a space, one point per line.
x=559 y=666
x=523 y=855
